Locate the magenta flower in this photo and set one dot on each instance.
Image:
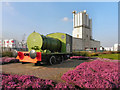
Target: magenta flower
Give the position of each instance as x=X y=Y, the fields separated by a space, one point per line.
x=5 y=60
x=95 y=74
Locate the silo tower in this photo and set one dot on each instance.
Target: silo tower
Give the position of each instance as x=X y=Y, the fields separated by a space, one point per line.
x=82 y=27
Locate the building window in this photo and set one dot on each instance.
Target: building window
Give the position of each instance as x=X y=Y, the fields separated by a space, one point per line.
x=77 y=35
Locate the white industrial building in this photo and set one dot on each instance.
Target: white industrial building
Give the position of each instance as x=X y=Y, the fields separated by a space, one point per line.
x=8 y=43
x=82 y=32
x=116 y=47
x=108 y=49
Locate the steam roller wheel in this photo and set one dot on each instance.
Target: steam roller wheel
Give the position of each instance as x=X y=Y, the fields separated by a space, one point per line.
x=52 y=60
x=62 y=58
x=59 y=59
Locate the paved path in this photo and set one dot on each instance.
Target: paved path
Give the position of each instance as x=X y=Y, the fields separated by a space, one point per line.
x=53 y=72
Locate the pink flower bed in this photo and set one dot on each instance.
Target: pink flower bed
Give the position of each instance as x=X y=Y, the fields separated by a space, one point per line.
x=95 y=74
x=30 y=82
x=5 y=60
x=107 y=60
x=79 y=57
x=64 y=86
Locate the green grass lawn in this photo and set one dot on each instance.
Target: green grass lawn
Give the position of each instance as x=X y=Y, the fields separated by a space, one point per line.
x=109 y=56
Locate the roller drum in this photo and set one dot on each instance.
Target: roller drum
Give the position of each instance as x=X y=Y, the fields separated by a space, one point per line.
x=37 y=41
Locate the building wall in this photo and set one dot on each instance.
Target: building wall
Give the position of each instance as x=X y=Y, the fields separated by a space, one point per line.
x=8 y=43
x=86 y=37
x=95 y=44
x=68 y=43
x=77 y=32
x=13 y=43
x=77 y=44
x=116 y=47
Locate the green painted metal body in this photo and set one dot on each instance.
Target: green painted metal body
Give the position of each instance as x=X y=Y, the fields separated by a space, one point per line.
x=39 y=42
x=51 y=43
x=61 y=37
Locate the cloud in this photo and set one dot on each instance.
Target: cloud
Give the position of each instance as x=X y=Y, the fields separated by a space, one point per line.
x=66 y=19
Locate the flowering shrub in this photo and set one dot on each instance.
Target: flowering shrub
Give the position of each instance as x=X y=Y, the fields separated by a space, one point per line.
x=7 y=53
x=95 y=74
x=94 y=54
x=25 y=81
x=80 y=57
x=64 y=85
x=29 y=82
x=106 y=60
x=5 y=60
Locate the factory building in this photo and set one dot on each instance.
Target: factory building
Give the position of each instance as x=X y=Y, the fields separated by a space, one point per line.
x=116 y=47
x=82 y=32
x=11 y=43
x=108 y=48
